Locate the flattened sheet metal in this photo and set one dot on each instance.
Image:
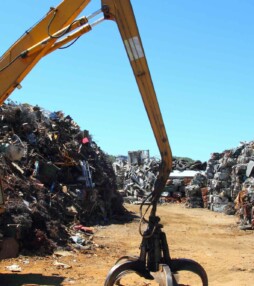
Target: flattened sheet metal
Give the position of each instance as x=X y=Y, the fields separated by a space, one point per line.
x=249 y=168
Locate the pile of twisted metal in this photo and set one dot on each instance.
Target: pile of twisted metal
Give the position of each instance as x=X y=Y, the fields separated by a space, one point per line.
x=54 y=178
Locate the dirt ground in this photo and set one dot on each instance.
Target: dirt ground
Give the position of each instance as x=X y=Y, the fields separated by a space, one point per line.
x=212 y=239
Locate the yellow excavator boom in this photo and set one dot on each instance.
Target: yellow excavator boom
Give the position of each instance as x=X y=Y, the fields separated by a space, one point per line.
x=15 y=64
x=60 y=26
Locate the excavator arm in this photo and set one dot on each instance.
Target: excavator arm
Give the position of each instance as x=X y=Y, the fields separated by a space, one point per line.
x=22 y=56
x=60 y=26
x=122 y=12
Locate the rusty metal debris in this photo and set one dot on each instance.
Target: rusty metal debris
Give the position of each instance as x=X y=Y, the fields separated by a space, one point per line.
x=226 y=185
x=54 y=176
x=136 y=175
x=223 y=184
x=231 y=183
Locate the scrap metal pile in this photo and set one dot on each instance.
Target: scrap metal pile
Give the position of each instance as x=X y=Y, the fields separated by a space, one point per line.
x=227 y=185
x=223 y=184
x=137 y=173
x=181 y=164
x=55 y=178
x=231 y=182
x=193 y=191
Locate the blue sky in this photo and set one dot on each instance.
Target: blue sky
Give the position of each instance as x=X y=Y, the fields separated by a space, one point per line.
x=200 y=55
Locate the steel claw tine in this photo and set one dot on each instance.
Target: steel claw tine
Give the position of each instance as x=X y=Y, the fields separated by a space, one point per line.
x=183 y=264
x=127 y=258
x=164 y=276
x=122 y=268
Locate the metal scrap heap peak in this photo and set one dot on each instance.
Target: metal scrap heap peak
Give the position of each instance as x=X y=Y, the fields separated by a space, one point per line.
x=54 y=176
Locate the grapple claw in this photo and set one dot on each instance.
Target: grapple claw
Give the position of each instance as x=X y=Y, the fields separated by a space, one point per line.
x=123 y=267
x=154 y=262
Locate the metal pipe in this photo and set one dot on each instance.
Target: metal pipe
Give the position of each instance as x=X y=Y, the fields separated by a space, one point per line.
x=94 y=14
x=97 y=22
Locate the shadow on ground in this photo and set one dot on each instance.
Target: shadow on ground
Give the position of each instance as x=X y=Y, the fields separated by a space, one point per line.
x=30 y=279
x=127 y=217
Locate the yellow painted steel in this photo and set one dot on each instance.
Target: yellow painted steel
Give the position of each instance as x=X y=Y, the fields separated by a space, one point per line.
x=81 y=31
x=121 y=11
x=13 y=68
x=40 y=46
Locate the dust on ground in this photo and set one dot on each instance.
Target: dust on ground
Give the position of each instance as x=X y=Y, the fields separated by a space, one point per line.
x=212 y=239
